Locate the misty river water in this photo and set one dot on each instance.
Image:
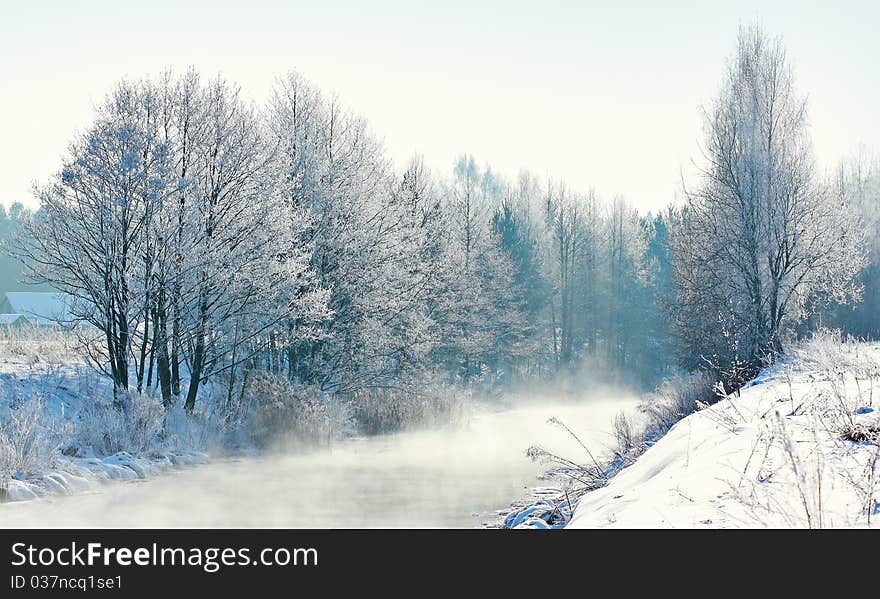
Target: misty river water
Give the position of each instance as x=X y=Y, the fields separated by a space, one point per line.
x=447 y=477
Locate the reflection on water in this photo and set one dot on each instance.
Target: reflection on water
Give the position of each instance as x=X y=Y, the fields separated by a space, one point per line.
x=436 y=478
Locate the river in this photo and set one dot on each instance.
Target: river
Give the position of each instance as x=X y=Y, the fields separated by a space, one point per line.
x=448 y=477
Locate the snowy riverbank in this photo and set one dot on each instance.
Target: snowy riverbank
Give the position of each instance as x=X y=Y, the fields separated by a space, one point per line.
x=797 y=448
x=60 y=436
x=75 y=475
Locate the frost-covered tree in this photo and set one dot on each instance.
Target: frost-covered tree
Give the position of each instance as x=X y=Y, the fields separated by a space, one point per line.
x=229 y=206
x=208 y=240
x=12 y=221
x=93 y=222
x=573 y=223
x=626 y=253
x=373 y=236
x=166 y=225
x=484 y=325
x=858 y=181
x=654 y=349
x=231 y=266
x=762 y=236
x=518 y=221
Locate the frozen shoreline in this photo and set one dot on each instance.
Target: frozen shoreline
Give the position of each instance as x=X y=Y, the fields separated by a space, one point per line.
x=73 y=475
x=798 y=447
x=62 y=384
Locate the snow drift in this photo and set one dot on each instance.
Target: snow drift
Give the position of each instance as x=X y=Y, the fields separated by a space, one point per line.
x=797 y=447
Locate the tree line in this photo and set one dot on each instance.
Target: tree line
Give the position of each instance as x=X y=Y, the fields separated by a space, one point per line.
x=207 y=238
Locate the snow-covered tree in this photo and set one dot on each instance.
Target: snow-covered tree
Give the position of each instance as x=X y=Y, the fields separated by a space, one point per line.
x=857 y=180
x=373 y=234
x=574 y=243
x=627 y=271
x=167 y=226
x=483 y=311
x=207 y=239
x=762 y=235
x=93 y=222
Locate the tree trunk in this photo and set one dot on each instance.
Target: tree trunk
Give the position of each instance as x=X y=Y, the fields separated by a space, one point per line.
x=196 y=374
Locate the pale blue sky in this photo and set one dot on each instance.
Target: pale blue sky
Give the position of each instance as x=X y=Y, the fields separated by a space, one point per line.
x=602 y=94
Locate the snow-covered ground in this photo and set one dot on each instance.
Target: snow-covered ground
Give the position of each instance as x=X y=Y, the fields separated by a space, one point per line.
x=798 y=447
x=55 y=434
x=73 y=475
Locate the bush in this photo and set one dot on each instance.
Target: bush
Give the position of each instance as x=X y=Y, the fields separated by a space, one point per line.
x=29 y=440
x=848 y=371
x=861 y=432
x=273 y=408
x=108 y=430
x=422 y=401
x=627 y=436
x=676 y=397
x=832 y=354
x=202 y=429
x=41 y=344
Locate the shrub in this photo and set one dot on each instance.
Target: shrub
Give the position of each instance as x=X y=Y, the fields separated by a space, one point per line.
x=675 y=398
x=30 y=439
x=202 y=429
x=627 y=436
x=847 y=370
x=273 y=409
x=828 y=351
x=861 y=432
x=423 y=400
x=108 y=430
x=36 y=344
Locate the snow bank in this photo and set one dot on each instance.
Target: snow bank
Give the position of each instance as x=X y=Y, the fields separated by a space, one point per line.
x=546 y=509
x=65 y=397
x=75 y=475
x=797 y=448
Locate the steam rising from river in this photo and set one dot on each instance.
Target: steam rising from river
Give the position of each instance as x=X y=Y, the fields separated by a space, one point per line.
x=452 y=477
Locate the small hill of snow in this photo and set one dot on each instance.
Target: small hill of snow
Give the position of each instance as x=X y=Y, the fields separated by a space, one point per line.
x=798 y=447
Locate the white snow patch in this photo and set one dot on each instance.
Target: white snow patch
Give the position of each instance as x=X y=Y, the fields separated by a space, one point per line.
x=76 y=475
x=775 y=456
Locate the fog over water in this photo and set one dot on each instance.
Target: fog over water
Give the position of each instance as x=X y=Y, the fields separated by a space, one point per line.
x=452 y=477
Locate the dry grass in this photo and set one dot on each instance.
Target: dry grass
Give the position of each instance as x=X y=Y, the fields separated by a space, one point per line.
x=30 y=440
x=40 y=344
x=859 y=432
